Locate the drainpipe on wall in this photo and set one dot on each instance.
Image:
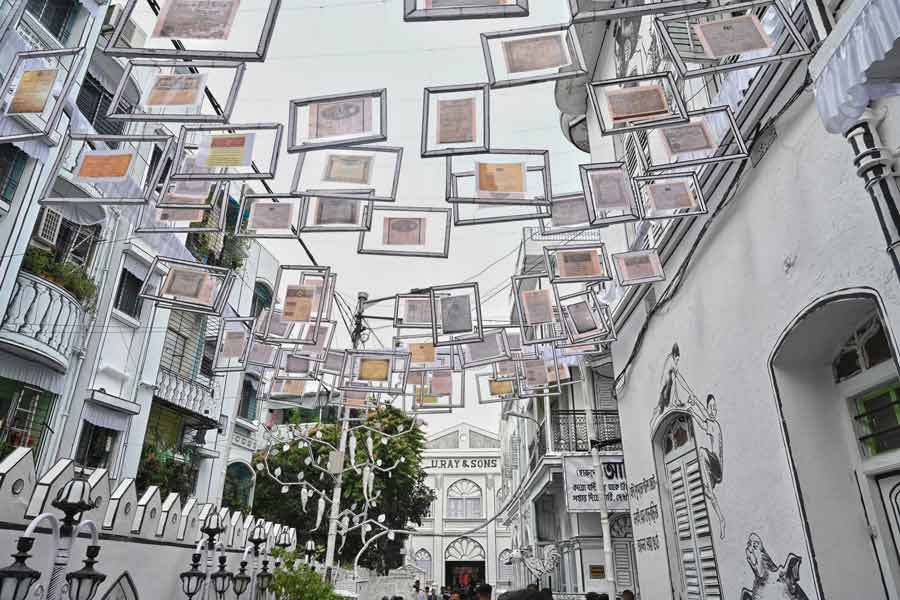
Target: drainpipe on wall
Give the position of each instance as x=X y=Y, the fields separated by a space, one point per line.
x=875 y=165
x=609 y=567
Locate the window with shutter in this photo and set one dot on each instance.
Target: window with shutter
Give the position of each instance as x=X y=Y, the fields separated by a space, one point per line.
x=692 y=535
x=51 y=221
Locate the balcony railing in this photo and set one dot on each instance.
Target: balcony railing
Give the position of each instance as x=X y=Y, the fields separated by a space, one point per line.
x=569 y=433
x=43 y=321
x=185 y=393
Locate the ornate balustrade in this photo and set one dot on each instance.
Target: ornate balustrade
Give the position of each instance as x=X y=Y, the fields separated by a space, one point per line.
x=186 y=393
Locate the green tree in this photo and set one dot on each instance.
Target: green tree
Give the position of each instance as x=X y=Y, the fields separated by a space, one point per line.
x=300 y=583
x=404 y=496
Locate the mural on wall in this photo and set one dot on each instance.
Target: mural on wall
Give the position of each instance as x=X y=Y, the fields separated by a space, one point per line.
x=771 y=581
x=676 y=394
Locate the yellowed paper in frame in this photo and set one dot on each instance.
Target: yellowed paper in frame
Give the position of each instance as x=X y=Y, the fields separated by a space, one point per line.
x=33 y=92
x=579 y=263
x=500 y=388
x=422 y=352
x=374 y=369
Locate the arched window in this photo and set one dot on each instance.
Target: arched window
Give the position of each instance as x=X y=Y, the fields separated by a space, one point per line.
x=504 y=567
x=238 y=488
x=464 y=500
x=262 y=298
x=687 y=511
x=423 y=561
x=464 y=549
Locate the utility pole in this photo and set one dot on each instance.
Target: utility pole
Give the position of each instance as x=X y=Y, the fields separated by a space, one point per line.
x=587 y=392
x=355 y=337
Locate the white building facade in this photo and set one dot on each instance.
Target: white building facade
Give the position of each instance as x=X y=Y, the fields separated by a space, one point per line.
x=454 y=547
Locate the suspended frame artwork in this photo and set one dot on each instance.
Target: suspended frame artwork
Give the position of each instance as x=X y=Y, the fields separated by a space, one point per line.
x=322 y=214
x=303 y=293
x=456 y=120
x=637 y=102
x=35 y=89
x=532 y=55
x=586 y=11
x=467 y=213
x=154 y=218
x=228 y=152
x=406 y=231
x=188 y=286
x=733 y=36
x=577 y=263
x=413 y=311
x=374 y=371
x=448 y=10
x=349 y=173
x=585 y=319
x=232 y=344
x=436 y=390
x=491 y=390
x=337 y=120
x=459 y=310
x=506 y=177
x=711 y=135
x=175 y=93
x=568 y=214
x=268 y=216
x=668 y=194
x=638 y=266
x=107 y=169
x=202 y=26
x=493 y=348
x=610 y=195
x=196 y=194
x=537 y=312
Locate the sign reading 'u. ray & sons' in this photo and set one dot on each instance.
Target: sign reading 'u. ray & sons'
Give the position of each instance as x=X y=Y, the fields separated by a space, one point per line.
x=476 y=463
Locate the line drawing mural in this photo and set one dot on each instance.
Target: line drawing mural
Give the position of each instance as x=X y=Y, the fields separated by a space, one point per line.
x=677 y=394
x=770 y=581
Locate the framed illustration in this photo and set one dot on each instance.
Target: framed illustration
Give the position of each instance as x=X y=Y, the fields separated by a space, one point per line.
x=732 y=37
x=500 y=176
x=228 y=152
x=587 y=11
x=637 y=102
x=711 y=135
x=449 y=10
x=456 y=120
x=413 y=311
x=156 y=219
x=609 y=191
x=537 y=313
x=423 y=354
x=348 y=172
x=407 y=231
x=315 y=342
x=203 y=27
x=189 y=193
x=268 y=216
x=532 y=55
x=585 y=319
x=458 y=307
x=320 y=214
x=670 y=195
x=337 y=120
x=540 y=377
x=188 y=286
x=292 y=366
x=174 y=91
x=302 y=293
x=280 y=329
x=637 y=267
x=435 y=389
x=466 y=213
x=107 y=169
x=491 y=390
x=577 y=263
x=378 y=371
x=568 y=214
x=262 y=354
x=493 y=348
x=233 y=338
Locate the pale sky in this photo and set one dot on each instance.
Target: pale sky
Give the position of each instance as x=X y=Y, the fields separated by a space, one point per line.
x=335 y=46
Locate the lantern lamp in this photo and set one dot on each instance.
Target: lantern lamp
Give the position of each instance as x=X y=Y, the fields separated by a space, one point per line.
x=16 y=579
x=241 y=580
x=221 y=579
x=192 y=580
x=264 y=578
x=84 y=582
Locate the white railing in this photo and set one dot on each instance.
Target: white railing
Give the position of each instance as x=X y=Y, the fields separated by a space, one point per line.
x=43 y=319
x=186 y=393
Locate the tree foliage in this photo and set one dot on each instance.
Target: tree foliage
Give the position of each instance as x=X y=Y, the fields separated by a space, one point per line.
x=299 y=582
x=404 y=497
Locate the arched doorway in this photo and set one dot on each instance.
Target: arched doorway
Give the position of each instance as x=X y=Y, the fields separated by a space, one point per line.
x=239 y=483
x=837 y=389
x=464 y=563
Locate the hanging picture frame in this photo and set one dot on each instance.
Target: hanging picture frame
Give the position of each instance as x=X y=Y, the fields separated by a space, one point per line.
x=568 y=214
x=107 y=169
x=533 y=378
x=669 y=195
x=734 y=36
x=188 y=286
x=505 y=177
x=262 y=354
x=290 y=366
x=333 y=172
x=436 y=389
x=710 y=136
x=609 y=190
x=587 y=11
x=637 y=267
x=406 y=231
x=413 y=311
x=637 y=102
x=451 y=10
x=374 y=371
x=465 y=213
x=323 y=214
x=535 y=307
x=156 y=219
x=491 y=390
x=268 y=216
x=302 y=294
x=585 y=319
x=493 y=348
x=35 y=89
x=423 y=354
x=337 y=120
x=175 y=91
x=456 y=120
x=228 y=152
x=202 y=35
x=459 y=307
x=532 y=55
x=577 y=263
x=234 y=337
x=314 y=342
